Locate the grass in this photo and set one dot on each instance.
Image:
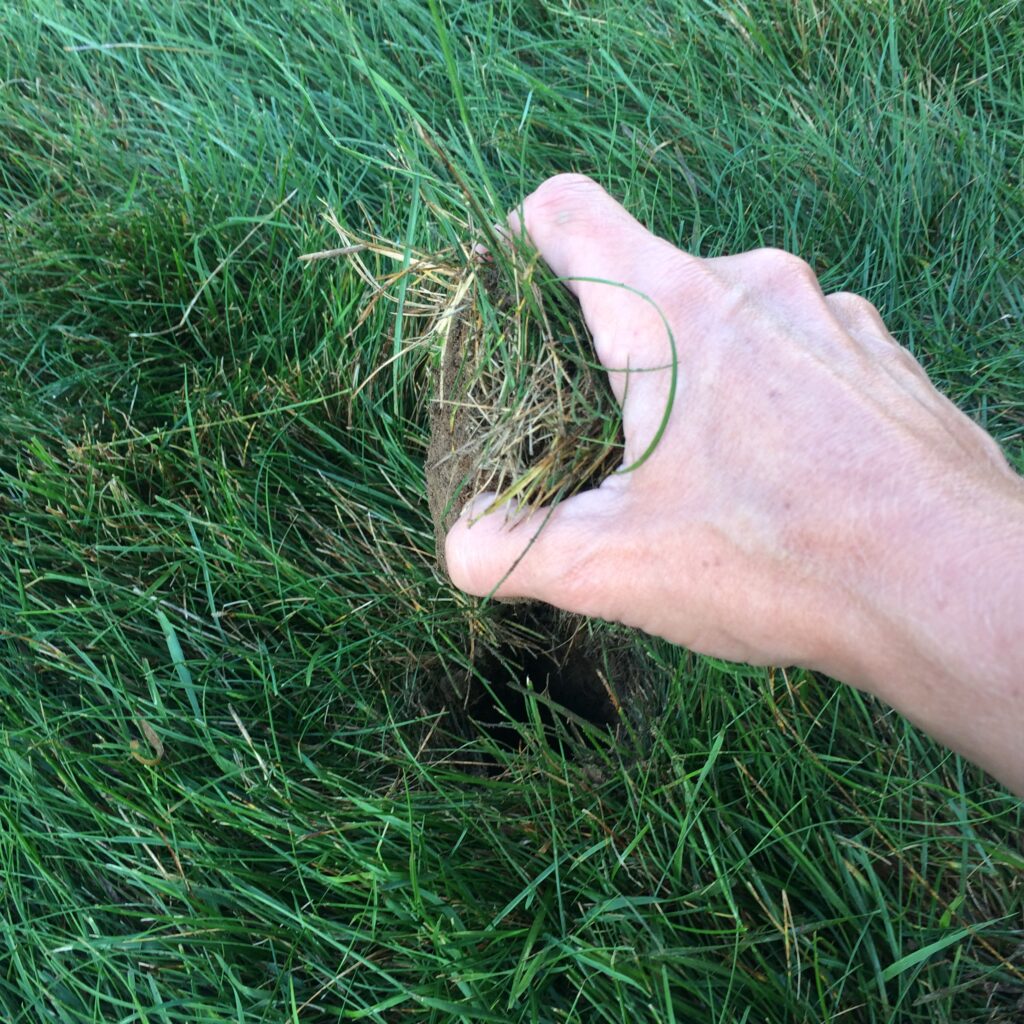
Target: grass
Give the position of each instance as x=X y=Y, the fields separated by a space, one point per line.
x=226 y=794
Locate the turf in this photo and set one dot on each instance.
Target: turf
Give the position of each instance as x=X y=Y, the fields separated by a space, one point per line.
x=228 y=792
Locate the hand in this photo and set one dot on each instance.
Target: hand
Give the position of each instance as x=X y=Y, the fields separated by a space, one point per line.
x=813 y=500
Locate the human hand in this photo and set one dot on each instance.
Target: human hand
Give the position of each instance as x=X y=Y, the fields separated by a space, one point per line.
x=813 y=499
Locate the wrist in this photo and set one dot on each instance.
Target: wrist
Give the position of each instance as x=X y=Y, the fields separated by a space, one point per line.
x=936 y=618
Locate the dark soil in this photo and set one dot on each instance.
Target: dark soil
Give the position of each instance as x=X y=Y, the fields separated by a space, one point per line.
x=582 y=678
x=562 y=664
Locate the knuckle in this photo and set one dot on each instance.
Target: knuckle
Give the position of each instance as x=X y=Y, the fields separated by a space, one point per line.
x=567 y=180
x=847 y=301
x=994 y=451
x=854 y=307
x=907 y=360
x=784 y=271
x=870 y=310
x=562 y=193
x=899 y=360
x=781 y=262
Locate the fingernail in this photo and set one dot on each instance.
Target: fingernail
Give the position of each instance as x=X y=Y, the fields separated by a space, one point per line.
x=477 y=507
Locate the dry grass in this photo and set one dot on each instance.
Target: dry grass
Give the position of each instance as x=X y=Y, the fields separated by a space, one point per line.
x=518 y=405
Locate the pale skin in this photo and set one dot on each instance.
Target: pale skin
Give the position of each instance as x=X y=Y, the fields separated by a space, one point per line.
x=814 y=500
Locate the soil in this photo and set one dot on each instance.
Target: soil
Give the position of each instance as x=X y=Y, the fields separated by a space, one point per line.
x=563 y=665
x=453 y=452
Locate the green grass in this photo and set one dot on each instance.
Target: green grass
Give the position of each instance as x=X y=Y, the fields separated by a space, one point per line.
x=226 y=792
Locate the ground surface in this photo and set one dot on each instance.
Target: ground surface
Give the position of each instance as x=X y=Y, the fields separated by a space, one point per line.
x=221 y=796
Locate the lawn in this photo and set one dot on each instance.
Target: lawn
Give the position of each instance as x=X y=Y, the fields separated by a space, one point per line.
x=236 y=783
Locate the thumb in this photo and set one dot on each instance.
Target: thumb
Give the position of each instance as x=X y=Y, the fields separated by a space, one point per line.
x=550 y=554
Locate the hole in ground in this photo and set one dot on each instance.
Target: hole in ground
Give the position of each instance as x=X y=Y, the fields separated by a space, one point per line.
x=558 y=659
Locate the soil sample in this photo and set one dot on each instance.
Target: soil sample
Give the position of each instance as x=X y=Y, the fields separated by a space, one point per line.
x=519 y=405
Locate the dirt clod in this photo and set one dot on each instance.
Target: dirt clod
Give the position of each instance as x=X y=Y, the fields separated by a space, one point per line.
x=519 y=406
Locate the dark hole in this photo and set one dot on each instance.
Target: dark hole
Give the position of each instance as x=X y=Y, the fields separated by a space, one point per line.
x=559 y=664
